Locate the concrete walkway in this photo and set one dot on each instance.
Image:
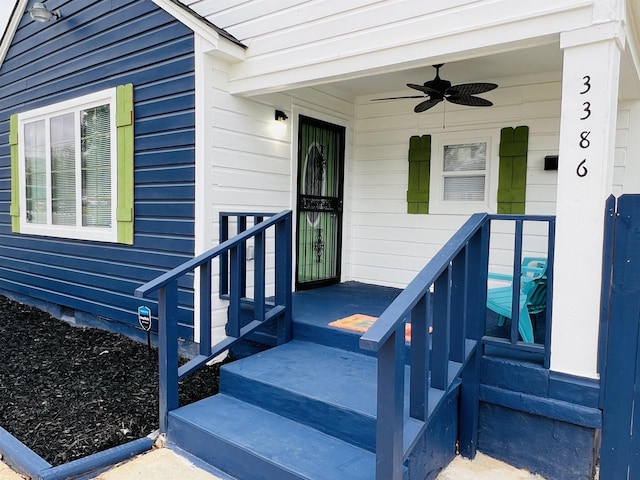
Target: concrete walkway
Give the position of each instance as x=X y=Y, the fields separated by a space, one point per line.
x=165 y=464
x=484 y=467
x=158 y=464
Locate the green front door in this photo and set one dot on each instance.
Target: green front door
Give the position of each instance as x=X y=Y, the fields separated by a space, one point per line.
x=320 y=190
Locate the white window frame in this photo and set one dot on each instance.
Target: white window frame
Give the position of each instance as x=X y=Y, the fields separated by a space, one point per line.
x=104 y=234
x=437 y=204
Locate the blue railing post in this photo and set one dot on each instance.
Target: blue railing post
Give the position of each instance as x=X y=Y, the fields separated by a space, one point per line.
x=551 y=249
x=224 y=256
x=478 y=263
x=477 y=260
x=389 y=431
x=419 y=387
x=259 y=277
x=284 y=277
x=459 y=283
x=235 y=293
x=205 y=309
x=167 y=351
x=515 y=289
x=242 y=257
x=441 y=342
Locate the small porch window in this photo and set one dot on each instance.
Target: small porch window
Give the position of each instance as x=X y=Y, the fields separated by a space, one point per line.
x=462 y=174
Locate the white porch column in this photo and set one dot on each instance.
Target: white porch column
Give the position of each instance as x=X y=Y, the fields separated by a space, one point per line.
x=585 y=172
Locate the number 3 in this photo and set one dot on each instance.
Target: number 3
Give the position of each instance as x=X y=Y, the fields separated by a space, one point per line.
x=587 y=84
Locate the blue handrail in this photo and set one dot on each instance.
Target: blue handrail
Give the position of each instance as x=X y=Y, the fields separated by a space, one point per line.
x=454 y=310
x=167 y=287
x=449 y=295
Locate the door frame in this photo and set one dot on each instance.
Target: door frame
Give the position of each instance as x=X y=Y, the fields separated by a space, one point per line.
x=297 y=111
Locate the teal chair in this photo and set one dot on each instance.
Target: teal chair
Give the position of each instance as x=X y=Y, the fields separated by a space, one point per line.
x=533 y=295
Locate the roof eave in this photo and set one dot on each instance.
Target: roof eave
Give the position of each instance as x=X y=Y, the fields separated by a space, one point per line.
x=222 y=41
x=10 y=30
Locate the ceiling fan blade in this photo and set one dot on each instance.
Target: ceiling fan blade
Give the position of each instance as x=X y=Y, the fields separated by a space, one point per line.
x=424 y=88
x=396 y=98
x=469 y=100
x=427 y=104
x=465 y=89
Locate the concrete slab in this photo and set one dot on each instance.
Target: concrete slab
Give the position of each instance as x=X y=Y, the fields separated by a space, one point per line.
x=158 y=464
x=484 y=467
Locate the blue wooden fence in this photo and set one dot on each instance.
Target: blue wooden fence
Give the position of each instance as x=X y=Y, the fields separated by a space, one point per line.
x=167 y=287
x=620 y=450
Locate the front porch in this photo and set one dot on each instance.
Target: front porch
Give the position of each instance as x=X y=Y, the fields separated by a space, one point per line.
x=329 y=402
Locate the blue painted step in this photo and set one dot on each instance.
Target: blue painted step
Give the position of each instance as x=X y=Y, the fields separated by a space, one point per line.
x=314 y=309
x=251 y=443
x=326 y=388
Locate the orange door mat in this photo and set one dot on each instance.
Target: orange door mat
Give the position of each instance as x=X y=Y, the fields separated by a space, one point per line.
x=361 y=323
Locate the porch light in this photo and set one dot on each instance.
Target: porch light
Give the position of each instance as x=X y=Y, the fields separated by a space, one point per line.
x=281 y=116
x=551 y=162
x=40 y=13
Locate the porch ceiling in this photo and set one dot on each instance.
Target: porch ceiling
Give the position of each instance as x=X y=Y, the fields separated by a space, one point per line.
x=541 y=59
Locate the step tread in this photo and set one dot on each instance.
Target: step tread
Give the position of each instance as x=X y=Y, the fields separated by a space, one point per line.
x=292 y=446
x=327 y=374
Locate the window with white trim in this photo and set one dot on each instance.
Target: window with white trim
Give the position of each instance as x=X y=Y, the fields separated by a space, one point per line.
x=462 y=173
x=68 y=168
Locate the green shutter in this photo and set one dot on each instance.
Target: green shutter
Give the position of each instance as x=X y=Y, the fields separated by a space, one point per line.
x=512 y=181
x=419 y=168
x=124 y=124
x=14 y=209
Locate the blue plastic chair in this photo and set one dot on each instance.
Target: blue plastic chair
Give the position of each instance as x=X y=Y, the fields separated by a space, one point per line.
x=533 y=295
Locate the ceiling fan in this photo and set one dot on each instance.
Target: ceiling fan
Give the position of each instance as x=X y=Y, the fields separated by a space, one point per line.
x=437 y=90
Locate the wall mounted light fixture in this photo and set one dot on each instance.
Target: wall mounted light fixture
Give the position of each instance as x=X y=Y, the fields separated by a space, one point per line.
x=40 y=13
x=551 y=162
x=281 y=116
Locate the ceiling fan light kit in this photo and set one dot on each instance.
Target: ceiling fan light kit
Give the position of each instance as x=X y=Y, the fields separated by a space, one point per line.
x=436 y=90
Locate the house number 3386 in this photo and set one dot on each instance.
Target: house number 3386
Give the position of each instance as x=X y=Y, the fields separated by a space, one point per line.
x=584 y=141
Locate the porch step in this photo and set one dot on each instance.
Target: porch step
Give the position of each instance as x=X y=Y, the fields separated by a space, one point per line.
x=252 y=443
x=326 y=388
x=313 y=310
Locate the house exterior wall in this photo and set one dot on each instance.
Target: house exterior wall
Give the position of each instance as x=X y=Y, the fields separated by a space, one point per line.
x=97 y=45
x=251 y=159
x=391 y=246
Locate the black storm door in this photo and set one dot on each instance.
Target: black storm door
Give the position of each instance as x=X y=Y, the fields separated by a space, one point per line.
x=320 y=192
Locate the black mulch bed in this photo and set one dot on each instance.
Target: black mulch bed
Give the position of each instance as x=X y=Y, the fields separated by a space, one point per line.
x=67 y=392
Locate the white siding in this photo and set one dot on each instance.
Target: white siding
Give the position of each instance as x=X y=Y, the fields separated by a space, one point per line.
x=626 y=175
x=251 y=159
x=391 y=246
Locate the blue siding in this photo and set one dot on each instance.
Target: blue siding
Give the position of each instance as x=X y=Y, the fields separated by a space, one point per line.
x=96 y=45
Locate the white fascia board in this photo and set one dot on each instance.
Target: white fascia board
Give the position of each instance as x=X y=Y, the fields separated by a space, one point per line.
x=12 y=26
x=393 y=59
x=220 y=45
x=594 y=34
